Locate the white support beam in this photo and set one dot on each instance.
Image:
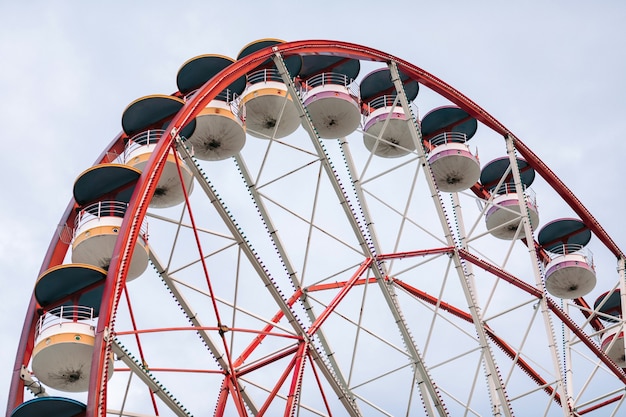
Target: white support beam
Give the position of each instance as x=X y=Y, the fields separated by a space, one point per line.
x=535 y=261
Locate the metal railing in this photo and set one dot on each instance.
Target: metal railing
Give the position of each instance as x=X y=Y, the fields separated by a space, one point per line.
x=387 y=100
x=105 y=208
x=572 y=248
x=448 y=137
x=226 y=95
x=65 y=314
x=510 y=188
x=331 y=78
x=264 y=75
x=148 y=137
x=100 y=209
x=529 y=196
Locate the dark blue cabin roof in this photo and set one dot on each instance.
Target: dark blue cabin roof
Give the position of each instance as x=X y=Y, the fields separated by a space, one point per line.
x=563 y=231
x=104 y=180
x=448 y=119
x=49 y=407
x=198 y=70
x=153 y=112
x=378 y=83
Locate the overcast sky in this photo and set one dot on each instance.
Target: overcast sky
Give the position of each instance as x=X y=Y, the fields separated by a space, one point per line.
x=552 y=72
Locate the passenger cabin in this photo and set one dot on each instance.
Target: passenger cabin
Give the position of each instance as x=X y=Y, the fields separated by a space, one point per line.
x=267 y=107
x=609 y=305
x=145 y=121
x=447 y=131
x=330 y=94
x=503 y=216
x=70 y=298
x=386 y=127
x=103 y=192
x=570 y=272
x=220 y=132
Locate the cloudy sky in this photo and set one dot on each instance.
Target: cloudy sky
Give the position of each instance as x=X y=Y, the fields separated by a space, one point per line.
x=552 y=72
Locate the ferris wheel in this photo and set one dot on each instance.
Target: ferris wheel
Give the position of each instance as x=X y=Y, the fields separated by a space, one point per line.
x=287 y=234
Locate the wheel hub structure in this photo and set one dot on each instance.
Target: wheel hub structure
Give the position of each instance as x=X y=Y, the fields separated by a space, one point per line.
x=309 y=276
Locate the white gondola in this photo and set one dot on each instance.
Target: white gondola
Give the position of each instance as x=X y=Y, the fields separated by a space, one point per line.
x=453 y=165
x=332 y=101
x=609 y=309
x=268 y=109
x=386 y=127
x=503 y=218
x=64 y=344
x=95 y=235
x=570 y=271
x=169 y=191
x=570 y=274
x=219 y=133
x=448 y=129
x=386 y=130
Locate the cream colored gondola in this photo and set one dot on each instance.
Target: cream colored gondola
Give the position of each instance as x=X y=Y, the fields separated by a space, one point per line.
x=330 y=94
x=266 y=105
x=64 y=344
x=570 y=272
x=503 y=217
x=103 y=192
x=386 y=127
x=447 y=130
x=144 y=121
x=219 y=132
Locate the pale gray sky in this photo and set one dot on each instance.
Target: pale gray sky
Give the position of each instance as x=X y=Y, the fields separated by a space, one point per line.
x=552 y=72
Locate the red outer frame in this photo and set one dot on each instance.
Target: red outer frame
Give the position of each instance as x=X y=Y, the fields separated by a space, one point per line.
x=146 y=186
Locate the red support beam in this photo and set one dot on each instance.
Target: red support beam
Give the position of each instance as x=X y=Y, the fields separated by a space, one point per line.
x=319 y=384
x=271 y=359
x=222 y=399
x=600 y=405
x=281 y=380
x=296 y=380
x=261 y=333
x=412 y=254
x=500 y=273
x=139 y=346
x=233 y=389
x=340 y=296
x=341 y=284
x=266 y=331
